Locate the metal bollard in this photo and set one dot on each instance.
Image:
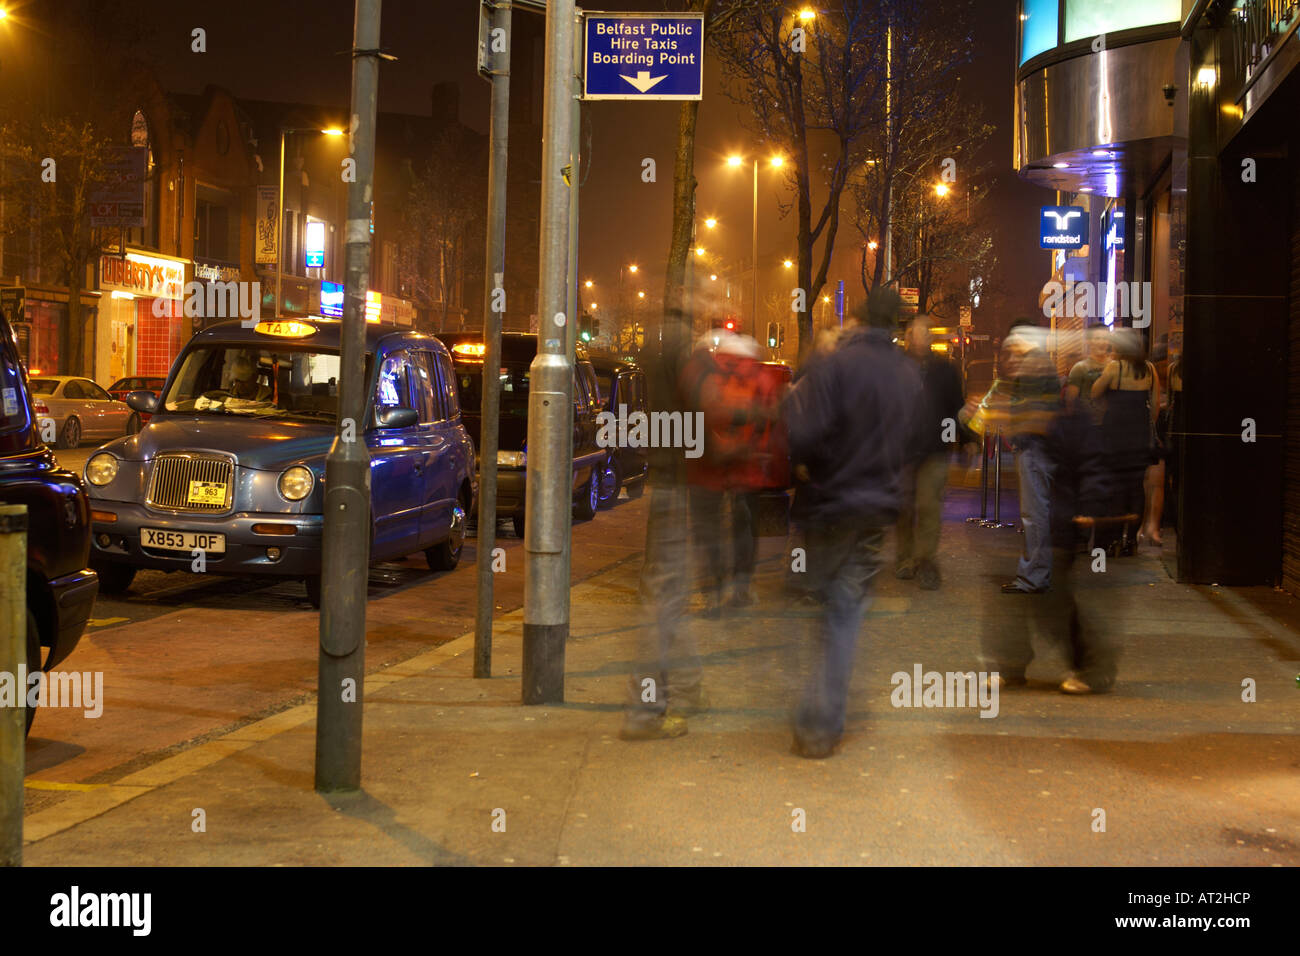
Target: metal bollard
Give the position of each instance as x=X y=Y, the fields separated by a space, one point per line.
x=13 y=663
x=984 y=483
x=997 y=484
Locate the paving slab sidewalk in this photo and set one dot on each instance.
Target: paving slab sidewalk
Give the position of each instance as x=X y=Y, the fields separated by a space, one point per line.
x=457 y=772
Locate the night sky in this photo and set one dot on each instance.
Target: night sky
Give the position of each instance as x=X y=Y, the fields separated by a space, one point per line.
x=291 y=51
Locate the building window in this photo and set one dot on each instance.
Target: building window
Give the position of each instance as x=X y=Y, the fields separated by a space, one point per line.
x=216 y=225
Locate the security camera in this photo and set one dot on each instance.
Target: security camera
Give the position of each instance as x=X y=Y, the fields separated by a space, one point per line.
x=1170 y=92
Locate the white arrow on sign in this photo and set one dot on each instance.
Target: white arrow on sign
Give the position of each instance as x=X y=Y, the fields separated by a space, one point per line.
x=643 y=81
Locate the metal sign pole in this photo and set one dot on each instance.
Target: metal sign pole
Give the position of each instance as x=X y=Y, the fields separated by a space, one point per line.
x=346 y=541
x=550 y=409
x=493 y=296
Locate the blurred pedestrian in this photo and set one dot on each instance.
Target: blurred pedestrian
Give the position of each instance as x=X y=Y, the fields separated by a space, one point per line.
x=1026 y=396
x=921 y=506
x=666 y=676
x=740 y=405
x=1130 y=388
x=1085 y=372
x=1080 y=611
x=851 y=420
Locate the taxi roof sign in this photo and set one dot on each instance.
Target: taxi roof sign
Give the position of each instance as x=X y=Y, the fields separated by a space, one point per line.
x=286 y=328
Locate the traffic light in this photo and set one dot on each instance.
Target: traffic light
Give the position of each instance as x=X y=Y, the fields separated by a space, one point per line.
x=773 y=335
x=586 y=327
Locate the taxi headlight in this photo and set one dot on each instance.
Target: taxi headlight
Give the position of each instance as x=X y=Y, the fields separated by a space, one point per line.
x=101 y=469
x=296 y=482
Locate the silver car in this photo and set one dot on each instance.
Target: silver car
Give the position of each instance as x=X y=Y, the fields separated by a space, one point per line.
x=75 y=408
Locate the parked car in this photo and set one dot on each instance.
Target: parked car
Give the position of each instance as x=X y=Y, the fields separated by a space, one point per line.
x=60 y=588
x=233 y=462
x=80 y=409
x=136 y=383
x=593 y=466
x=622 y=383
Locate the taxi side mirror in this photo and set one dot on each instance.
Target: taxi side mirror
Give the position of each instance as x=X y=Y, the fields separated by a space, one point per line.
x=143 y=401
x=396 y=416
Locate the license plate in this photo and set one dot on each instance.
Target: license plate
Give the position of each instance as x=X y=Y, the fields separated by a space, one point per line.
x=207 y=493
x=186 y=541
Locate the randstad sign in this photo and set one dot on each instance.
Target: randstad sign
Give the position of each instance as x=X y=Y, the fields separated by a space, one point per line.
x=1062 y=227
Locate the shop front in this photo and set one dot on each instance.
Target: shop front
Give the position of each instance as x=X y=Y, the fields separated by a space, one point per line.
x=142 y=325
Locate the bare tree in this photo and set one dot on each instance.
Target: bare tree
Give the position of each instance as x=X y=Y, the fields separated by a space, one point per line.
x=444 y=199
x=927 y=133
x=814 y=87
x=50 y=168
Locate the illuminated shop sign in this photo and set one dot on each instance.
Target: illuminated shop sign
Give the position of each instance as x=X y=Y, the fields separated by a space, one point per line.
x=142 y=275
x=1062 y=227
x=315 y=245
x=331 y=299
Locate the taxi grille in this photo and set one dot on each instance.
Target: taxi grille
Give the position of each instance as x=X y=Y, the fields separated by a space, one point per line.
x=169 y=483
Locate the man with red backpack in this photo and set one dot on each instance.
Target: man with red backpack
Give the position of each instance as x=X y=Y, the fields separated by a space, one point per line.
x=741 y=408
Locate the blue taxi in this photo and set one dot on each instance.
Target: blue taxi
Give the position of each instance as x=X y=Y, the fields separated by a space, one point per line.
x=227 y=476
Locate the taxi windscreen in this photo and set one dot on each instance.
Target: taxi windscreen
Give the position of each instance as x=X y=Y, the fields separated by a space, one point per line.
x=257 y=382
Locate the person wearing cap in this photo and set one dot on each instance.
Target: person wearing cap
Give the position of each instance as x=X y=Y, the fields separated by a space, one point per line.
x=1027 y=397
x=853 y=424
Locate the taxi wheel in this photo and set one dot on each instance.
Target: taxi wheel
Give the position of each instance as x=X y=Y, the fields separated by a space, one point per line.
x=33 y=660
x=445 y=555
x=610 y=482
x=114 y=578
x=70 y=437
x=584 y=509
x=313 y=590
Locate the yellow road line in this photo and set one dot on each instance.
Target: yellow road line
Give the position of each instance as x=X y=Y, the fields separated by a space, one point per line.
x=59 y=785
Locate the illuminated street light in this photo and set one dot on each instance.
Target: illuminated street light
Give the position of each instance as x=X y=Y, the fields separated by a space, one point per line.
x=589 y=283
x=632 y=268
x=699 y=250
x=710 y=223
x=734 y=160
x=714 y=277
x=777 y=161
x=593 y=307
x=873 y=245
x=640 y=295
x=332 y=131
x=807 y=14
x=789 y=263
x=941 y=189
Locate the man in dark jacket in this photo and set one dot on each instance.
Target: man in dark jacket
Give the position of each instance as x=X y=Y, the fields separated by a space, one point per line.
x=852 y=424
x=921 y=508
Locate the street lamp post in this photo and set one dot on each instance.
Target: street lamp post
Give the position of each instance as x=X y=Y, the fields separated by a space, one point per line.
x=776 y=163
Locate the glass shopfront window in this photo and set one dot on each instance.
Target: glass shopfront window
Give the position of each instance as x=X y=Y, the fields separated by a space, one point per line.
x=1042 y=29
x=1085 y=19
x=1038 y=30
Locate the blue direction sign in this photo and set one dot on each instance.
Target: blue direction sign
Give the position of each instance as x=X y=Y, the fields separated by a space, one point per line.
x=1062 y=227
x=643 y=56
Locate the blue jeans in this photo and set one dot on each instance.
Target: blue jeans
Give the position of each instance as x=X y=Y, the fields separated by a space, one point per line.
x=1035 y=469
x=844 y=558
